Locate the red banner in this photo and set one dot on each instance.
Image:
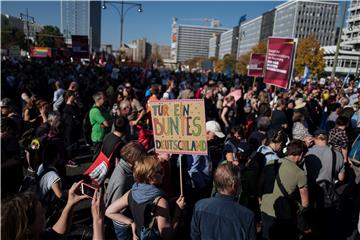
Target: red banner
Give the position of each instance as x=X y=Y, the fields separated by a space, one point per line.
x=279 y=61
x=256 y=65
x=40 y=52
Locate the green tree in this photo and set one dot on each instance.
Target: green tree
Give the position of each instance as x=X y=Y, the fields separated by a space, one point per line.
x=50 y=36
x=309 y=52
x=241 y=66
x=11 y=36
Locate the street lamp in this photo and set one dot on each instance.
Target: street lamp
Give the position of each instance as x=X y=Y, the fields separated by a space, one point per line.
x=26 y=17
x=122 y=14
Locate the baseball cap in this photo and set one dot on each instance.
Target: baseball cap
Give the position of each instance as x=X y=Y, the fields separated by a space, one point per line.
x=214 y=127
x=320 y=132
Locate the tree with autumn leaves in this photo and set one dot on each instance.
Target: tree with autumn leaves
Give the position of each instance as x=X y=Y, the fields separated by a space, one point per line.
x=309 y=52
x=241 y=66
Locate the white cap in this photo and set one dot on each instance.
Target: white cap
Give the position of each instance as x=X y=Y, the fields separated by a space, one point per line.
x=214 y=127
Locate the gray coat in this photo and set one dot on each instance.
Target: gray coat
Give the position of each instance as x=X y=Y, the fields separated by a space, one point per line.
x=120 y=182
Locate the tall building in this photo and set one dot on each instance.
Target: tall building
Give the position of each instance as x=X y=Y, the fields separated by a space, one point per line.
x=189 y=41
x=214 y=44
x=82 y=18
x=301 y=18
x=229 y=42
x=349 y=52
x=249 y=35
x=292 y=19
x=141 y=50
x=352 y=30
x=267 y=25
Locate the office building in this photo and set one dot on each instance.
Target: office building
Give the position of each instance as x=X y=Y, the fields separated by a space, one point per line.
x=298 y=19
x=267 y=25
x=189 y=41
x=349 y=52
x=292 y=19
x=162 y=50
x=214 y=44
x=229 y=42
x=82 y=18
x=141 y=50
x=249 y=35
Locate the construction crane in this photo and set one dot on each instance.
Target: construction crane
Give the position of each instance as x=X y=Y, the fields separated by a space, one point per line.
x=213 y=21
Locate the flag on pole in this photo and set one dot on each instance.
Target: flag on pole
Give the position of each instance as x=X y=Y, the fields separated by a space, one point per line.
x=228 y=71
x=346 y=80
x=306 y=75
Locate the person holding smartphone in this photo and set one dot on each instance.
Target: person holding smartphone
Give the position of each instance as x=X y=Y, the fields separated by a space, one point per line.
x=148 y=174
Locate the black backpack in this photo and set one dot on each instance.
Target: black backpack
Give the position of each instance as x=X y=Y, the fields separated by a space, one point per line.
x=327 y=194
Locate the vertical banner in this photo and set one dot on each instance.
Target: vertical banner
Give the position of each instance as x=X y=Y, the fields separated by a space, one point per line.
x=179 y=126
x=279 y=61
x=256 y=65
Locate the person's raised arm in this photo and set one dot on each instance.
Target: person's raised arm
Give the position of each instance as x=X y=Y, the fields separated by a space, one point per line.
x=61 y=226
x=97 y=212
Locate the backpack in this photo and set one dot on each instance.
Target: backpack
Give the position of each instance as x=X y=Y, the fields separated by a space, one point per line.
x=151 y=232
x=327 y=195
x=260 y=158
x=100 y=168
x=87 y=127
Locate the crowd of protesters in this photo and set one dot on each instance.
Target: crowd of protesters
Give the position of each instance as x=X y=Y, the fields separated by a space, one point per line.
x=281 y=164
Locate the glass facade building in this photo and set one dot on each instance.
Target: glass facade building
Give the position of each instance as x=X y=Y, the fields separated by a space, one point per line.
x=298 y=19
x=229 y=42
x=192 y=41
x=249 y=35
x=81 y=18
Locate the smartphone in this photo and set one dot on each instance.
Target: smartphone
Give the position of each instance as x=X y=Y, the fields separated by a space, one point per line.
x=88 y=190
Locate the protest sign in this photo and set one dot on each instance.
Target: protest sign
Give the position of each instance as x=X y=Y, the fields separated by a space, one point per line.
x=256 y=65
x=279 y=61
x=179 y=126
x=40 y=52
x=80 y=46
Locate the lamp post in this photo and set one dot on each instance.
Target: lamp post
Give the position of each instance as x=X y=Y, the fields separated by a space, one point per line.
x=122 y=13
x=26 y=17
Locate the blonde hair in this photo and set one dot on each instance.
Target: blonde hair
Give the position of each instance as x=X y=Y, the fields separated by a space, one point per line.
x=145 y=170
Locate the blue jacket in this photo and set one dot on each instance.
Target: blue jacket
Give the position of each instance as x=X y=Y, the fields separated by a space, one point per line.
x=200 y=170
x=221 y=217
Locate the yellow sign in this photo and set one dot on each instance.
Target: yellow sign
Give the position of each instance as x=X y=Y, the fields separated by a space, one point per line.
x=179 y=126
